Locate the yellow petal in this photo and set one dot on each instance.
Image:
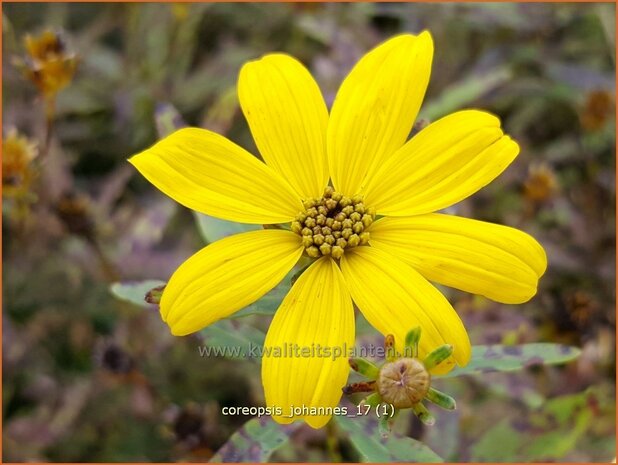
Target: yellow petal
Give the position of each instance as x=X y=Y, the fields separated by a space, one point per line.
x=395 y=298
x=375 y=108
x=208 y=173
x=316 y=312
x=443 y=164
x=226 y=276
x=496 y=261
x=288 y=118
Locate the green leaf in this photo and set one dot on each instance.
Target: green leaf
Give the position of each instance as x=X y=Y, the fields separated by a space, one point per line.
x=255 y=441
x=135 y=292
x=366 y=439
x=232 y=340
x=268 y=304
x=167 y=119
x=464 y=93
x=546 y=434
x=491 y=358
x=212 y=229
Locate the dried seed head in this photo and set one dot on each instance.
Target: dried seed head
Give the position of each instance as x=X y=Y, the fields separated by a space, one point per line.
x=403 y=382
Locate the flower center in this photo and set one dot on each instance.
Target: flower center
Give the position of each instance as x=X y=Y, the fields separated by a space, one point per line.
x=332 y=223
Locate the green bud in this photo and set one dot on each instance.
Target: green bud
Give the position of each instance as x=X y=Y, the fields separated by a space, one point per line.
x=440 y=399
x=322 y=210
x=330 y=239
x=367 y=220
x=310 y=222
x=341 y=242
x=329 y=222
x=340 y=217
x=326 y=231
x=307 y=241
x=336 y=234
x=321 y=220
x=364 y=367
x=360 y=208
x=364 y=238
x=306 y=232
x=355 y=216
x=358 y=228
x=347 y=223
x=357 y=199
x=438 y=356
x=346 y=233
x=336 y=225
x=328 y=192
x=309 y=203
x=337 y=196
x=318 y=239
x=312 y=212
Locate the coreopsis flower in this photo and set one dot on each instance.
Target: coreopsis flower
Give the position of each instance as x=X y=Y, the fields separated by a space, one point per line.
x=372 y=230
x=541 y=183
x=49 y=64
x=597 y=110
x=18 y=153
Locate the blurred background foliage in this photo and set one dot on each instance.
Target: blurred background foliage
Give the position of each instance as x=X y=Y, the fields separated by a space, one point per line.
x=87 y=377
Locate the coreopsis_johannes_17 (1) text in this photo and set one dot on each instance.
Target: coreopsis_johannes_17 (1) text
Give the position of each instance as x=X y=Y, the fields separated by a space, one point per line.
x=359 y=199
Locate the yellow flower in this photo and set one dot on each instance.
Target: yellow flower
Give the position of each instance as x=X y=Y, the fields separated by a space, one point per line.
x=18 y=152
x=49 y=64
x=385 y=270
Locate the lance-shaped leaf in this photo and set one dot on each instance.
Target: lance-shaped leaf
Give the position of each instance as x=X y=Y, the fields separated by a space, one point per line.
x=255 y=441
x=212 y=229
x=364 y=434
x=232 y=340
x=491 y=358
x=269 y=302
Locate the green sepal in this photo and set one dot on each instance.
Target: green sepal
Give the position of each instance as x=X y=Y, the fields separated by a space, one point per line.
x=440 y=399
x=423 y=414
x=412 y=339
x=372 y=400
x=364 y=367
x=438 y=356
x=384 y=426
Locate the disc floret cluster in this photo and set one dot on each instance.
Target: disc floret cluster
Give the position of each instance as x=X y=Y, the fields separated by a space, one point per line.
x=332 y=223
